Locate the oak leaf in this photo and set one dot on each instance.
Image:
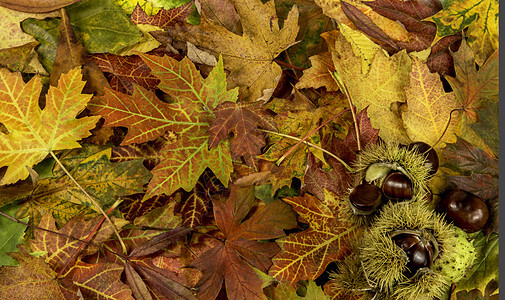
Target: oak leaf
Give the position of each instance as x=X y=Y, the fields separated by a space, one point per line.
x=305 y=255
x=250 y=56
x=481 y=18
x=148 y=118
x=33 y=133
x=236 y=259
x=32 y=279
x=243 y=120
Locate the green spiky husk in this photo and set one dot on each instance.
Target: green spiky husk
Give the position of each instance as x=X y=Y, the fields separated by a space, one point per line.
x=410 y=161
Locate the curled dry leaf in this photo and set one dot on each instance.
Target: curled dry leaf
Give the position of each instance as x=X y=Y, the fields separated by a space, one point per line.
x=36 y=6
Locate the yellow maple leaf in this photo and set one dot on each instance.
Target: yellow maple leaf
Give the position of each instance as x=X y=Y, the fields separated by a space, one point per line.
x=250 y=57
x=428 y=108
x=33 y=133
x=381 y=89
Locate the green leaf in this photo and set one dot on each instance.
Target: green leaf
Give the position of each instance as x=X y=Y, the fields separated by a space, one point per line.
x=11 y=235
x=486 y=264
x=481 y=18
x=488 y=128
x=46 y=33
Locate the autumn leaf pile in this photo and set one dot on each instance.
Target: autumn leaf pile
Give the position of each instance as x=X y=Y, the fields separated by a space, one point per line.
x=166 y=149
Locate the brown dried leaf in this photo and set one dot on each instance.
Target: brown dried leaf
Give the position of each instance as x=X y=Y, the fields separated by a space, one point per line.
x=36 y=6
x=164 y=18
x=160 y=241
x=137 y=285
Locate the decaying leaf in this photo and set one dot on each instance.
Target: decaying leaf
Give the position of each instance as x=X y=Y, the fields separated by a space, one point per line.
x=34 y=133
x=36 y=6
x=164 y=18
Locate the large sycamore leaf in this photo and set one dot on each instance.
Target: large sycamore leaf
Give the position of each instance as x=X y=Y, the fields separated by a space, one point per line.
x=33 y=133
x=60 y=248
x=250 y=56
x=381 y=89
x=11 y=235
x=428 y=108
x=481 y=18
x=32 y=279
x=243 y=120
x=236 y=259
x=305 y=255
x=148 y=118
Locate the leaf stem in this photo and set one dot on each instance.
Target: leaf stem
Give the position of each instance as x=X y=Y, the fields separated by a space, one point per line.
x=307 y=136
x=123 y=246
x=311 y=145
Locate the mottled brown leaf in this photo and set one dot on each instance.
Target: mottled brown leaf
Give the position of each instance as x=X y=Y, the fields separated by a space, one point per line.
x=163 y=285
x=160 y=241
x=164 y=18
x=319 y=74
x=137 y=285
x=243 y=120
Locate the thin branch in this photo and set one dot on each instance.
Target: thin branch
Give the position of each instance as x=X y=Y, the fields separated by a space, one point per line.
x=92 y=201
x=445 y=129
x=307 y=136
x=311 y=145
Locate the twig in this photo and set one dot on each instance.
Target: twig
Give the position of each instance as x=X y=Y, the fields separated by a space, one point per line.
x=123 y=246
x=445 y=129
x=311 y=145
x=307 y=136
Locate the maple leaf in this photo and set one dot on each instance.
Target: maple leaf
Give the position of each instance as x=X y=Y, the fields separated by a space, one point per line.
x=243 y=120
x=164 y=18
x=148 y=118
x=60 y=248
x=99 y=281
x=428 y=108
x=249 y=57
x=481 y=18
x=380 y=89
x=32 y=279
x=305 y=255
x=473 y=88
x=235 y=259
x=33 y=133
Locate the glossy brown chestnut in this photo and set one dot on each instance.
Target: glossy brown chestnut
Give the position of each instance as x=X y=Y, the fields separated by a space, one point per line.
x=397 y=186
x=468 y=211
x=431 y=155
x=418 y=250
x=365 y=197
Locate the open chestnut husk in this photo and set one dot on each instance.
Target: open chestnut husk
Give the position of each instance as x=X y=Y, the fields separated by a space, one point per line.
x=468 y=211
x=397 y=186
x=365 y=198
x=419 y=251
x=431 y=155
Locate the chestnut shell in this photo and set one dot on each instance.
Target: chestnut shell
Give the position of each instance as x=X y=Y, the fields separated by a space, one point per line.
x=468 y=211
x=418 y=250
x=397 y=186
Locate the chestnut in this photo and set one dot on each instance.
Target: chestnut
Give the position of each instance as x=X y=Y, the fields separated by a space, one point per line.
x=365 y=198
x=397 y=186
x=431 y=155
x=419 y=251
x=468 y=211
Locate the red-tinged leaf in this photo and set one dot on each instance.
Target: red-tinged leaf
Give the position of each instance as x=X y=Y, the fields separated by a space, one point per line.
x=160 y=241
x=305 y=255
x=316 y=180
x=164 y=18
x=133 y=207
x=234 y=260
x=137 y=285
x=243 y=120
x=60 y=248
x=195 y=205
x=124 y=71
x=32 y=279
x=163 y=285
x=100 y=281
